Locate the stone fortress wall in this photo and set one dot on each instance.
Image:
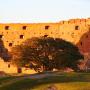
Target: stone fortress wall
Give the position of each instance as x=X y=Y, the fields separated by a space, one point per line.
x=76 y=31
x=15 y=33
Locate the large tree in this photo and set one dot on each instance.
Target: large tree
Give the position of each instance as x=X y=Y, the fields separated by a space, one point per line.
x=46 y=52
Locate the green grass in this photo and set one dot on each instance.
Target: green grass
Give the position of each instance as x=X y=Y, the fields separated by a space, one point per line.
x=63 y=81
x=66 y=86
x=6 y=79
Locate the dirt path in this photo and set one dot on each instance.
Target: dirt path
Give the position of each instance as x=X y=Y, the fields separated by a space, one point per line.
x=35 y=76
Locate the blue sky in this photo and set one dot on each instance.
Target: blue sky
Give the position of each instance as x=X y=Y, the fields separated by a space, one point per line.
x=25 y=11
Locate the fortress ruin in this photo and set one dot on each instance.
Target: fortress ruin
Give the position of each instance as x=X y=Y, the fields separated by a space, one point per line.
x=76 y=31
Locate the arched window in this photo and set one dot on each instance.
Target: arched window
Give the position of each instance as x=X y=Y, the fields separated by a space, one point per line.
x=24 y=27
x=46 y=27
x=6 y=27
x=10 y=44
x=76 y=27
x=8 y=65
x=21 y=36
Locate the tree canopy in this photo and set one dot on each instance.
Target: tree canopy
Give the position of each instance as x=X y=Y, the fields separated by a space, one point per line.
x=4 y=54
x=46 y=52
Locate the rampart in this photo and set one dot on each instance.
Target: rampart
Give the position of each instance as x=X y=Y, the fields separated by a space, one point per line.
x=76 y=31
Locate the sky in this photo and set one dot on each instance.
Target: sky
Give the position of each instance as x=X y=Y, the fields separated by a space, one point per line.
x=34 y=11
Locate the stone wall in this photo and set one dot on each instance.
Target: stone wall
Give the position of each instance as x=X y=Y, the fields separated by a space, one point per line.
x=72 y=30
x=9 y=68
x=76 y=31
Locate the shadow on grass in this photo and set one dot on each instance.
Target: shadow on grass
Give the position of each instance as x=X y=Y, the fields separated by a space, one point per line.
x=28 y=83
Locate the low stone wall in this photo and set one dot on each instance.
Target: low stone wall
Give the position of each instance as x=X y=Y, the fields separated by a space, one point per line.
x=8 y=68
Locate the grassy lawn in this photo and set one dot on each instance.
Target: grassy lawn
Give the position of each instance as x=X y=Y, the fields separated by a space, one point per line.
x=62 y=81
x=5 y=79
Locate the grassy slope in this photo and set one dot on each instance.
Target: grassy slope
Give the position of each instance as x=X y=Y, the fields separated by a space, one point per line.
x=71 y=81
